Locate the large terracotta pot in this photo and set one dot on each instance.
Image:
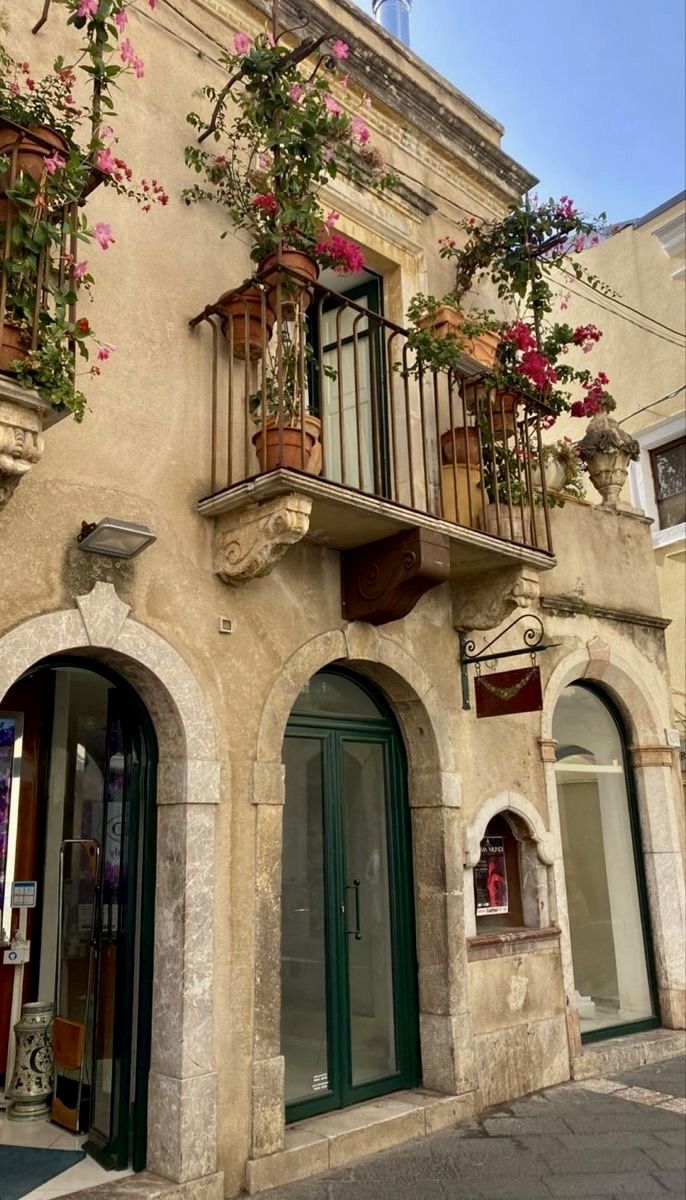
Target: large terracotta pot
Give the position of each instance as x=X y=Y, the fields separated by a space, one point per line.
x=449 y=321
x=519 y=531
x=31 y=154
x=13 y=345
x=456 y=442
x=295 y=286
x=235 y=309
x=272 y=452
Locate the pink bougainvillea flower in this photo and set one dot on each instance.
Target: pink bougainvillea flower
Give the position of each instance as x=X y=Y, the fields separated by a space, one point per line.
x=103 y=234
x=127 y=53
x=121 y=19
x=87 y=8
x=295 y=93
x=138 y=67
x=332 y=105
x=79 y=270
x=521 y=335
x=264 y=161
x=360 y=129
x=267 y=203
x=152 y=3
x=106 y=131
x=330 y=221
x=106 y=161
x=241 y=43
x=106 y=351
x=340 y=50
x=579 y=244
x=53 y=163
x=345 y=257
x=344 y=81
x=536 y=367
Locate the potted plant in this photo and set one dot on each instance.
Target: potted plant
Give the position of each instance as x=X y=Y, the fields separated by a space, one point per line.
x=288 y=435
x=280 y=137
x=562 y=469
x=52 y=154
x=443 y=337
x=606 y=448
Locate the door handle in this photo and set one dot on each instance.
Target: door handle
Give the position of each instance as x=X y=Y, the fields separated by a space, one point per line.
x=355 y=887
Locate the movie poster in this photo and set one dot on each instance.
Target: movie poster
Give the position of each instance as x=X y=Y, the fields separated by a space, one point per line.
x=490 y=878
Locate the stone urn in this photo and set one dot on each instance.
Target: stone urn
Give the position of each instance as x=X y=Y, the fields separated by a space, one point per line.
x=23 y=417
x=30 y=1091
x=607 y=450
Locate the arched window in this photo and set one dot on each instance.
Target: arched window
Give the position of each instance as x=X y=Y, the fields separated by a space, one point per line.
x=613 y=975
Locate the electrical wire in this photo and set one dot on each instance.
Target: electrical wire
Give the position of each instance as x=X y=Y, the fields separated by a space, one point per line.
x=623 y=304
x=654 y=404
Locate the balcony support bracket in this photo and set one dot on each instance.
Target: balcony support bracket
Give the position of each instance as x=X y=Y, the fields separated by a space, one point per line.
x=249 y=543
x=383 y=581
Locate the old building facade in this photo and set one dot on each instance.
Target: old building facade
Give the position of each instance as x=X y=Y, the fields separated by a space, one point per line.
x=303 y=795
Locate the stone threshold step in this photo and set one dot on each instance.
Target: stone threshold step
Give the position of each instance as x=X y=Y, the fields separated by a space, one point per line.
x=627 y=1053
x=337 y=1138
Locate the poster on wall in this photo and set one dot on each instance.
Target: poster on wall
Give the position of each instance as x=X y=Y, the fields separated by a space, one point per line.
x=490 y=878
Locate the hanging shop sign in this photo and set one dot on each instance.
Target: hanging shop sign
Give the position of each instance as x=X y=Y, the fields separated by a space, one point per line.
x=503 y=692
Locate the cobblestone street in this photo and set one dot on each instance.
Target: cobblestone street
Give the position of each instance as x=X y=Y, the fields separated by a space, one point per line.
x=624 y=1136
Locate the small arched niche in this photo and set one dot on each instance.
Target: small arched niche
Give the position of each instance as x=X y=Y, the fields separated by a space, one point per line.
x=507 y=864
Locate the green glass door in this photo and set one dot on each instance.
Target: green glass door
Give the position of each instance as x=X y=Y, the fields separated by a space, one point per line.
x=349 y=1007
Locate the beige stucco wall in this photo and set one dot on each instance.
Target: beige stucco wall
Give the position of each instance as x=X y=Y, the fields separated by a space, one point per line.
x=644 y=363
x=143 y=453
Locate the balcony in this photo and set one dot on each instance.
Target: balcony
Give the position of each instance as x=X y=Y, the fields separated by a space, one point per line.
x=393 y=456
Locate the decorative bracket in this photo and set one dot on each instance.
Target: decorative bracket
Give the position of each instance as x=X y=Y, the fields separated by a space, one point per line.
x=248 y=545
x=384 y=580
x=533 y=645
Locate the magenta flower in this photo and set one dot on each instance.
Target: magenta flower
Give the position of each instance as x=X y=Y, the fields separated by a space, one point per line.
x=332 y=105
x=87 y=8
x=103 y=234
x=127 y=53
x=241 y=43
x=295 y=93
x=106 y=351
x=340 y=49
x=79 y=270
x=331 y=220
x=138 y=68
x=121 y=19
x=53 y=163
x=345 y=257
x=106 y=161
x=360 y=129
x=152 y=3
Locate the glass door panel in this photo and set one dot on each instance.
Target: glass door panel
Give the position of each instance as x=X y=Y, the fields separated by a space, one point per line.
x=304 y=1034
x=368 y=929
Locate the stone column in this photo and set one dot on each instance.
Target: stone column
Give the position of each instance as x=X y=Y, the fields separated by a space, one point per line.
x=444 y=1024
x=658 y=791
x=182 y=1107
x=269 y=1096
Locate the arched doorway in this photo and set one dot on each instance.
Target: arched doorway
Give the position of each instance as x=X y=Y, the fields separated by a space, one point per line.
x=87 y=768
x=614 y=975
x=349 y=1027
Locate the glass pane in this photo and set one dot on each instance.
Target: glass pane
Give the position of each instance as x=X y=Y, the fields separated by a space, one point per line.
x=372 y=1018
x=354 y=467
x=608 y=949
x=334 y=695
x=303 y=959
x=669 y=466
x=10 y=772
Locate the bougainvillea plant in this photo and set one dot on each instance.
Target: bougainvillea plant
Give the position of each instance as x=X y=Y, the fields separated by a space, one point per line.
x=280 y=136
x=42 y=215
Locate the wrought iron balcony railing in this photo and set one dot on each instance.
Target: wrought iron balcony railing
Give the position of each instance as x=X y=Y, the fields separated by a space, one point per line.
x=316 y=383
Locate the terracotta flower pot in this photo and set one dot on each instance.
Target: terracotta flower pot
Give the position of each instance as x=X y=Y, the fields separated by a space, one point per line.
x=519 y=531
x=283 y=448
x=235 y=310
x=295 y=285
x=13 y=346
x=31 y=154
x=448 y=321
x=500 y=403
x=461 y=445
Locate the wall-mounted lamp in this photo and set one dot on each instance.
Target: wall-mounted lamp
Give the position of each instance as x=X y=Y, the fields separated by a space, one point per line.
x=118 y=539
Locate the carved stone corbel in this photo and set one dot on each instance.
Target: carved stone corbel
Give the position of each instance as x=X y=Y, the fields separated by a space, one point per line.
x=22 y=417
x=487 y=600
x=384 y=580
x=248 y=544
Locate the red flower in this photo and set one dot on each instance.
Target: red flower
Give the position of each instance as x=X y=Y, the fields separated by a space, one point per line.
x=267 y=203
x=82 y=326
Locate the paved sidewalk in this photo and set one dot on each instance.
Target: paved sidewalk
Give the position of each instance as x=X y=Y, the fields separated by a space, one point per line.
x=596 y=1140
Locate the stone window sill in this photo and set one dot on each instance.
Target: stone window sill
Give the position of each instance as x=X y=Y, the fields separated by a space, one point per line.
x=501 y=943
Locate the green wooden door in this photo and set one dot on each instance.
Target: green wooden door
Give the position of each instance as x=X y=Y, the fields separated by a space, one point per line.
x=349 y=1000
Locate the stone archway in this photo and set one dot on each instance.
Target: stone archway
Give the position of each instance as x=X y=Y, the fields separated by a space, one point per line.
x=658 y=793
x=434 y=791
x=182 y=1120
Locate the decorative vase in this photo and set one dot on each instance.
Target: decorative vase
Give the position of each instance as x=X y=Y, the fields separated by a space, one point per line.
x=607 y=450
x=457 y=443
x=554 y=473
x=30 y=1091
x=275 y=448
x=295 y=281
x=481 y=349
x=243 y=321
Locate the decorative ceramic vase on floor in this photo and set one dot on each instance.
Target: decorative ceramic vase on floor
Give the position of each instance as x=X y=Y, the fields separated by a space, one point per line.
x=31 y=1088
x=554 y=473
x=607 y=450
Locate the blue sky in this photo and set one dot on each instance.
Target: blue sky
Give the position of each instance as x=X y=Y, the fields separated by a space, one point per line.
x=591 y=93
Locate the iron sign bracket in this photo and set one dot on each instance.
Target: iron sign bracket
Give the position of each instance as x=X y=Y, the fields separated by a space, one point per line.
x=532 y=637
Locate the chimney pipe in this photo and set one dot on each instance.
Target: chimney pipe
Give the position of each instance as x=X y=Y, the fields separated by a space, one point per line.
x=394 y=15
